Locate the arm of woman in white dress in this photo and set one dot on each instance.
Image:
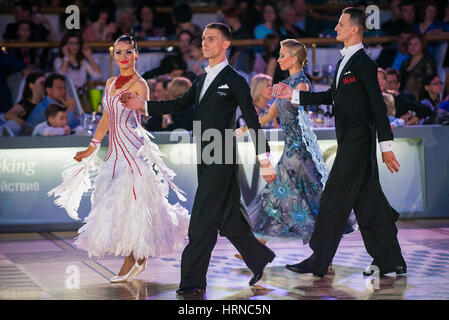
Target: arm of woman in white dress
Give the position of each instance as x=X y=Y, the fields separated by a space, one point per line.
x=101 y=131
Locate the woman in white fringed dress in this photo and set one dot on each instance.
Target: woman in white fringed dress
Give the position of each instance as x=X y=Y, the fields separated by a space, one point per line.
x=130 y=214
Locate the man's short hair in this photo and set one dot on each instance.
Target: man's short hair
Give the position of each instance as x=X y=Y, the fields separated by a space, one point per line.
x=51 y=78
x=391 y=71
x=53 y=109
x=356 y=17
x=223 y=28
x=164 y=80
x=406 y=3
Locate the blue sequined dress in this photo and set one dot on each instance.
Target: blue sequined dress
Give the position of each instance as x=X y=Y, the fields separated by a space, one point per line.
x=288 y=207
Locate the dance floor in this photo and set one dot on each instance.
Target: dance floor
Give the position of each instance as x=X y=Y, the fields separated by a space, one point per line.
x=47 y=266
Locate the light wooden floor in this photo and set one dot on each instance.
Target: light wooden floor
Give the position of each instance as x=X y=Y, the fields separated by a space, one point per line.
x=44 y=266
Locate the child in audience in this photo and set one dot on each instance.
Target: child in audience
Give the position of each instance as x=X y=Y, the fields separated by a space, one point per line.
x=56 y=124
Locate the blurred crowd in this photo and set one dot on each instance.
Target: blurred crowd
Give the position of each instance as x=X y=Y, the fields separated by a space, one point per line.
x=410 y=76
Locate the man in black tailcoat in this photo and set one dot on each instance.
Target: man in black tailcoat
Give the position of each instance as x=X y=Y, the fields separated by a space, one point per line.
x=216 y=95
x=353 y=182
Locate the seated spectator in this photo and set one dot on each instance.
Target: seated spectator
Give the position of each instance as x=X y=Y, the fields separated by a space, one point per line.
x=310 y=26
x=32 y=95
x=420 y=65
x=394 y=55
x=22 y=11
x=55 y=93
x=99 y=29
x=30 y=56
x=271 y=24
x=197 y=63
x=267 y=59
x=261 y=97
x=42 y=22
x=429 y=24
x=155 y=123
x=389 y=27
x=289 y=30
x=175 y=89
x=408 y=18
x=251 y=15
x=184 y=38
x=146 y=29
x=75 y=60
x=389 y=102
x=8 y=66
x=240 y=57
x=404 y=103
x=56 y=123
x=183 y=18
x=431 y=91
x=126 y=21
x=170 y=65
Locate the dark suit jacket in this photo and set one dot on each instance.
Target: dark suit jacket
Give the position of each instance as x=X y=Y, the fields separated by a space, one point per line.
x=218 y=193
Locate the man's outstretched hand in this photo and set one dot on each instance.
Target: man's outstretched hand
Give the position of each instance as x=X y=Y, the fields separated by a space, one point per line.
x=282 y=91
x=390 y=161
x=133 y=101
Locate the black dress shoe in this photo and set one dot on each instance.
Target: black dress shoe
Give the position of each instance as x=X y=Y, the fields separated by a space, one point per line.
x=256 y=277
x=190 y=291
x=302 y=268
x=398 y=269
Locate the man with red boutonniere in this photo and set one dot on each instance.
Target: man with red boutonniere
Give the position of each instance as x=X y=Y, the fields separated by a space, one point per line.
x=130 y=215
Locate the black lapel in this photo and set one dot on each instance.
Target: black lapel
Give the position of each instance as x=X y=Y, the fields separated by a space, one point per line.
x=214 y=83
x=199 y=86
x=347 y=65
x=335 y=76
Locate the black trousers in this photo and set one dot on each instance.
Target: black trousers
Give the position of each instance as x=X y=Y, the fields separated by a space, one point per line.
x=354 y=184
x=196 y=255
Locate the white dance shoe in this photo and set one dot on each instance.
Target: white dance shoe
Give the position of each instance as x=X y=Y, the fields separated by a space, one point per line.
x=135 y=270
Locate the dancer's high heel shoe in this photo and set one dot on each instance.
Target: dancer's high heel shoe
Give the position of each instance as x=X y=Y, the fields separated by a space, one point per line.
x=135 y=270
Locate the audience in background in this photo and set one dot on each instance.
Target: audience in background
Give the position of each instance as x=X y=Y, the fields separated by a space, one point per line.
x=431 y=91
x=396 y=53
x=183 y=18
x=184 y=38
x=55 y=93
x=289 y=30
x=240 y=57
x=197 y=63
x=404 y=102
x=171 y=65
x=56 y=123
x=429 y=24
x=75 y=60
x=29 y=56
x=261 y=97
x=8 y=66
x=389 y=27
x=271 y=24
x=99 y=29
x=310 y=26
x=419 y=65
x=156 y=123
x=146 y=28
x=126 y=20
x=32 y=95
x=175 y=89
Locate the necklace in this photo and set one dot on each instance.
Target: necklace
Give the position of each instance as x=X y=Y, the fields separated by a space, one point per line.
x=122 y=80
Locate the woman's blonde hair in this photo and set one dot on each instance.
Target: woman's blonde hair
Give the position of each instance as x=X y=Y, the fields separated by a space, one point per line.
x=296 y=49
x=389 y=102
x=177 y=87
x=256 y=82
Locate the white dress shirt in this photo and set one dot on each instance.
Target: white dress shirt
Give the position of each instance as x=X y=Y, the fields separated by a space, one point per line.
x=347 y=53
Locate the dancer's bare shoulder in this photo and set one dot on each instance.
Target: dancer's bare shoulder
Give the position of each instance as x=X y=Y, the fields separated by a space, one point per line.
x=140 y=88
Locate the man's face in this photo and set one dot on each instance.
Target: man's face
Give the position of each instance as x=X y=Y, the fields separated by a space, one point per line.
x=408 y=13
x=289 y=16
x=159 y=92
x=58 y=91
x=214 y=44
x=392 y=82
x=24 y=31
x=344 y=28
x=300 y=7
x=59 y=120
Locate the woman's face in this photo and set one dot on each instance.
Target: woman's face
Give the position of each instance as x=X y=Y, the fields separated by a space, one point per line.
x=431 y=13
x=125 y=55
x=263 y=90
x=415 y=47
x=285 y=59
x=73 y=44
x=184 y=42
x=38 y=87
x=146 y=15
x=23 y=31
x=435 y=86
x=269 y=15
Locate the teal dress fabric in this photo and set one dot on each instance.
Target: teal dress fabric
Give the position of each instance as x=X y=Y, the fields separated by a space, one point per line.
x=288 y=207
